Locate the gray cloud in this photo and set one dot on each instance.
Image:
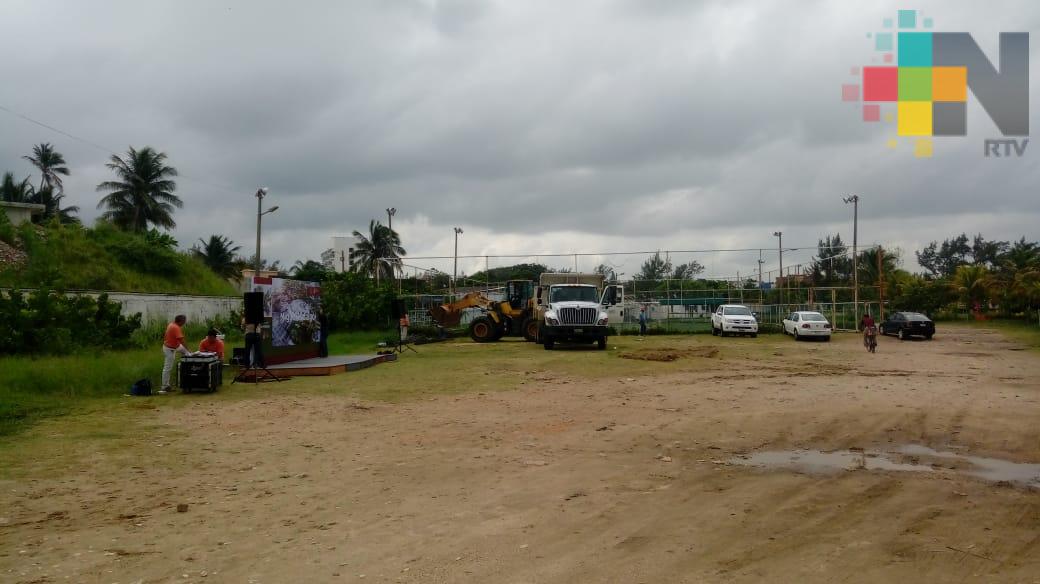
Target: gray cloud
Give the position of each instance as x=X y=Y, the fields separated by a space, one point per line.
x=550 y=126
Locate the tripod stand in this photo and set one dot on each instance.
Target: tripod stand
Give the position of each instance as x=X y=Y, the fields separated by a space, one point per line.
x=256 y=369
x=402 y=344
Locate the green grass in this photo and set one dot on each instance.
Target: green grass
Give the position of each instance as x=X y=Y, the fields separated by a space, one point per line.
x=32 y=389
x=79 y=258
x=1023 y=331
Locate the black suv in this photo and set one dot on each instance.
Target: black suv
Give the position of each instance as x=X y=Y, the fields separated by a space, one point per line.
x=908 y=324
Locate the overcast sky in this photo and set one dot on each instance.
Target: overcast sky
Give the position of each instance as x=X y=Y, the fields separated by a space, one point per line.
x=536 y=126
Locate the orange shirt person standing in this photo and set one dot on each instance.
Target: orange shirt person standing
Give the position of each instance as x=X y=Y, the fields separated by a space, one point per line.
x=403 y=324
x=173 y=343
x=211 y=344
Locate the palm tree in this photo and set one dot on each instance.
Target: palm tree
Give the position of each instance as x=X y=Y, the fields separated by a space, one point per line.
x=219 y=254
x=380 y=253
x=143 y=194
x=51 y=165
x=868 y=266
x=972 y=283
x=52 y=206
x=12 y=192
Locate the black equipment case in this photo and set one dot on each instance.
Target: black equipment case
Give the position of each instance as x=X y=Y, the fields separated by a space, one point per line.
x=201 y=373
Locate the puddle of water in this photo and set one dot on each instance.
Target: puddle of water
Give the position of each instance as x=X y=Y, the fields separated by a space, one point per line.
x=818 y=462
x=990 y=469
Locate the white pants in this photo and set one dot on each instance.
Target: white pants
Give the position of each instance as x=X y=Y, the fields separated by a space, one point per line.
x=404 y=333
x=169 y=358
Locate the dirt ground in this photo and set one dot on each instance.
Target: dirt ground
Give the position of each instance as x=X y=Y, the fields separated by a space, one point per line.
x=619 y=477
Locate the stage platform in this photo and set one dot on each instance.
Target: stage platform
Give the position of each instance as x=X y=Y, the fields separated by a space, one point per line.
x=326 y=365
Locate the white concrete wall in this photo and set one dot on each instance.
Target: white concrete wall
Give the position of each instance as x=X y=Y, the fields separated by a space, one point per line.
x=19 y=213
x=163 y=307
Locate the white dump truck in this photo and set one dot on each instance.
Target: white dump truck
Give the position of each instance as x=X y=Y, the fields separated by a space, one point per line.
x=572 y=307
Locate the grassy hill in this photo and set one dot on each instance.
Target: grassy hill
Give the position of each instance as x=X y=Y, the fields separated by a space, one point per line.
x=74 y=257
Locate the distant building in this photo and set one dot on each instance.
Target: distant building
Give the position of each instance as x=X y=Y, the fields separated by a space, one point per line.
x=247 y=277
x=19 y=213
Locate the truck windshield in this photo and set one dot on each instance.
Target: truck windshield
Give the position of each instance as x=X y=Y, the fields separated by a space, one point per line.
x=573 y=294
x=736 y=311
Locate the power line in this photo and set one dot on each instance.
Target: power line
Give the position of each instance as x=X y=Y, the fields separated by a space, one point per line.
x=611 y=253
x=106 y=149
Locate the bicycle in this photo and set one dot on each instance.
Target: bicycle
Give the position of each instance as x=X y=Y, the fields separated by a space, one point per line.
x=870 y=339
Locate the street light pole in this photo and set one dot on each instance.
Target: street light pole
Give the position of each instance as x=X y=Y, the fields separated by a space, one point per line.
x=455 y=270
x=260 y=193
x=854 y=199
x=390 y=217
x=780 y=249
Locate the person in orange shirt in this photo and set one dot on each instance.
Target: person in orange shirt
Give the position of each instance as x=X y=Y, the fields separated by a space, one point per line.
x=403 y=325
x=173 y=343
x=211 y=344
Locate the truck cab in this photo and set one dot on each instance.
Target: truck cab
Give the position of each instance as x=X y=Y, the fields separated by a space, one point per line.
x=573 y=308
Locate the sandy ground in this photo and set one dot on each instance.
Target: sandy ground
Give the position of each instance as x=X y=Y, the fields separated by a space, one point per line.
x=566 y=479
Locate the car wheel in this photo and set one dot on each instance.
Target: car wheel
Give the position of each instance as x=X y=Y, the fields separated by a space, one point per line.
x=714 y=331
x=827 y=339
x=754 y=335
x=548 y=343
x=928 y=337
x=722 y=332
x=797 y=337
x=601 y=344
x=902 y=335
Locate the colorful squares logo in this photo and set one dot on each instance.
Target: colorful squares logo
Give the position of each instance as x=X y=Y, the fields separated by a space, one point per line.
x=915 y=83
x=880 y=84
x=907 y=19
x=923 y=148
x=915 y=49
x=914 y=118
x=950 y=83
x=950 y=118
x=883 y=41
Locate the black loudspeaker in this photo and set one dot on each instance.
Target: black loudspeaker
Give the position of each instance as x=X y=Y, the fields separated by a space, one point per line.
x=254 y=304
x=397 y=307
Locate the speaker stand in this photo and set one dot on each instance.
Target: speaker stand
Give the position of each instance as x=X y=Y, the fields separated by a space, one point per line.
x=256 y=369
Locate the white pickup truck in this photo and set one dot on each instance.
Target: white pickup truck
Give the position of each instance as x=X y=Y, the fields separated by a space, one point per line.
x=734 y=319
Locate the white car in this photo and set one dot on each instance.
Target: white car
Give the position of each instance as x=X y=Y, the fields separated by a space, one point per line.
x=734 y=319
x=805 y=324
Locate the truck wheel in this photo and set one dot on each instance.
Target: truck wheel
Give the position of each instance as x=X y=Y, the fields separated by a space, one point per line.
x=714 y=331
x=482 y=330
x=530 y=330
x=601 y=343
x=548 y=343
x=754 y=335
x=902 y=335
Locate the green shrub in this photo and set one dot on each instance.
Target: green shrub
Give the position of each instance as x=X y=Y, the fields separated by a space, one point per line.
x=45 y=322
x=7 y=232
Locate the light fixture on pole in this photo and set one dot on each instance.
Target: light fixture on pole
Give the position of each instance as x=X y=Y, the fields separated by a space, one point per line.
x=455 y=271
x=780 y=248
x=854 y=199
x=260 y=194
x=390 y=217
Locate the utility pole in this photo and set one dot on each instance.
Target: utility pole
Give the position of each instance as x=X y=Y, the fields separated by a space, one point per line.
x=854 y=199
x=780 y=248
x=881 y=283
x=390 y=217
x=455 y=270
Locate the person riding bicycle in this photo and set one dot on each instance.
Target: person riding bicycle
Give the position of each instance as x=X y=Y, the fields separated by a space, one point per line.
x=868 y=326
